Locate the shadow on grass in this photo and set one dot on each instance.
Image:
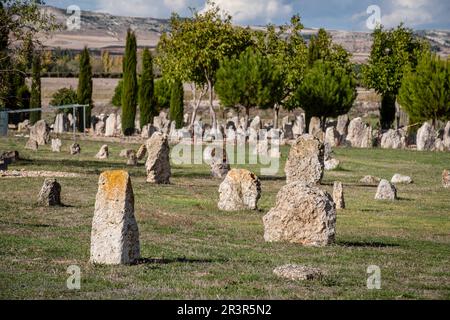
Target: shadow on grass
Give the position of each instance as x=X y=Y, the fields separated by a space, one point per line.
x=366 y=244
x=272 y=178
x=176 y=260
x=33 y=225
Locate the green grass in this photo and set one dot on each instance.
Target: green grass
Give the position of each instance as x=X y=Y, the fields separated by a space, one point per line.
x=194 y=251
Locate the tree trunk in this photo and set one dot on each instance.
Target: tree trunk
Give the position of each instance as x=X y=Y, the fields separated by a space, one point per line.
x=308 y=118
x=387 y=112
x=276 y=112
x=211 y=106
x=247 y=117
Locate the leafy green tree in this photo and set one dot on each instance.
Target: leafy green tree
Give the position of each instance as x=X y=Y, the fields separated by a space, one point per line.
x=250 y=80
x=63 y=97
x=117 y=97
x=176 y=112
x=130 y=85
x=425 y=92
x=163 y=92
x=35 y=100
x=20 y=21
x=194 y=48
x=286 y=49
x=85 y=89
x=327 y=90
x=393 y=51
x=147 y=103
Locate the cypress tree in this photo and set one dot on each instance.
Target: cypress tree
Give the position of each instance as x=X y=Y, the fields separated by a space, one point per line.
x=130 y=85
x=35 y=100
x=84 y=89
x=176 y=112
x=147 y=102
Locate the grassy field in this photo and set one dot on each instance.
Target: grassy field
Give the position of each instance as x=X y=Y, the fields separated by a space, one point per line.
x=194 y=251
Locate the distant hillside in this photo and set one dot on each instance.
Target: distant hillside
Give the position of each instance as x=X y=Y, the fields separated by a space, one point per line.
x=102 y=30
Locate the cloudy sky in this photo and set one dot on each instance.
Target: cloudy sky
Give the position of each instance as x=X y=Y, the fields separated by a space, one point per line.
x=331 y=14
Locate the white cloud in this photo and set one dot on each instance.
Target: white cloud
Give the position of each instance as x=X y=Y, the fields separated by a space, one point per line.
x=250 y=11
x=412 y=12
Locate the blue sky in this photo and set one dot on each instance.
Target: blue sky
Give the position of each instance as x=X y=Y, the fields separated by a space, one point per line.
x=331 y=14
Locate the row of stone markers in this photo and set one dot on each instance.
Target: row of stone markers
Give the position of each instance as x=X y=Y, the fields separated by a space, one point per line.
x=342 y=132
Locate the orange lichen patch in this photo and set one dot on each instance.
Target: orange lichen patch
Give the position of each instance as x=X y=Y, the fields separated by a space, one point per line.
x=241 y=175
x=114 y=184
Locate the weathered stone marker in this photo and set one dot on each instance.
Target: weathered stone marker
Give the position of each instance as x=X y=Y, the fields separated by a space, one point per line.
x=401 y=179
x=32 y=145
x=158 y=161
x=115 y=233
x=103 y=153
x=303 y=214
x=40 y=133
x=338 y=195
x=386 y=191
x=75 y=149
x=142 y=151
x=56 y=145
x=240 y=190
x=306 y=160
x=296 y=272
x=50 y=194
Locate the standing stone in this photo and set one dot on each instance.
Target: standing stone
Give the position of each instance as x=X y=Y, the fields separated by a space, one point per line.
x=61 y=123
x=299 y=127
x=256 y=124
x=56 y=145
x=342 y=126
x=446 y=179
x=32 y=145
x=288 y=132
x=111 y=124
x=370 y=180
x=306 y=160
x=400 y=179
x=315 y=128
x=142 y=151
x=446 y=137
x=331 y=164
x=50 y=194
x=240 y=190
x=426 y=138
x=103 y=153
x=10 y=156
x=125 y=153
x=158 y=162
x=115 y=233
x=386 y=191
x=100 y=127
x=219 y=163
x=132 y=159
x=393 y=139
x=303 y=214
x=75 y=149
x=23 y=126
x=338 y=195
x=40 y=133
x=332 y=137
x=359 y=134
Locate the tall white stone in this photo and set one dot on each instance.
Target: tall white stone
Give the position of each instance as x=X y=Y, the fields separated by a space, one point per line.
x=115 y=233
